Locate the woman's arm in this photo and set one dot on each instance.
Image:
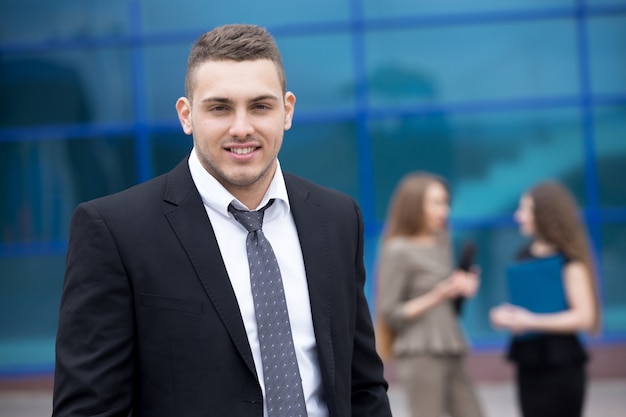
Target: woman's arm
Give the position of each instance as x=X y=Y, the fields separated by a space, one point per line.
x=580 y=316
x=447 y=289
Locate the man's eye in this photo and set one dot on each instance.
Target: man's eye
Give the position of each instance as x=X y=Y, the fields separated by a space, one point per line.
x=261 y=106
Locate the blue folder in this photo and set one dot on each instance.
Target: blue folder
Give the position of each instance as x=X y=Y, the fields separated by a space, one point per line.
x=537 y=285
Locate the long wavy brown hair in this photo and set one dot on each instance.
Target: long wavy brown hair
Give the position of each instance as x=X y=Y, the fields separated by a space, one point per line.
x=406 y=215
x=558 y=222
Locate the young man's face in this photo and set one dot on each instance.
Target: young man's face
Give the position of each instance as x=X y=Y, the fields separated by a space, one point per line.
x=237 y=115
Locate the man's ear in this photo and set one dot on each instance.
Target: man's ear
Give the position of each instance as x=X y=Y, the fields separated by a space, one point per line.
x=183 y=108
x=290 y=104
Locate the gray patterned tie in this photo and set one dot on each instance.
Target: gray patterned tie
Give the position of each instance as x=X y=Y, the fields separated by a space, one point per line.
x=283 y=386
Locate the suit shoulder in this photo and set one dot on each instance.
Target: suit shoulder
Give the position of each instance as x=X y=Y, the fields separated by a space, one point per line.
x=315 y=191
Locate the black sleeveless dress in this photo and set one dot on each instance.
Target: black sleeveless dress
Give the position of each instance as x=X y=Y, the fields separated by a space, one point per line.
x=550 y=371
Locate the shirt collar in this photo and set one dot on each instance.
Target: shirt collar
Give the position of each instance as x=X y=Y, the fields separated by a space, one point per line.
x=215 y=196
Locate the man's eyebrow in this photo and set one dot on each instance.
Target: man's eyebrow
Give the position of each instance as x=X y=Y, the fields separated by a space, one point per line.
x=264 y=97
x=226 y=100
x=222 y=100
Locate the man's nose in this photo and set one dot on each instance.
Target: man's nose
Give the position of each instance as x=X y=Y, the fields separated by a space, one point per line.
x=241 y=126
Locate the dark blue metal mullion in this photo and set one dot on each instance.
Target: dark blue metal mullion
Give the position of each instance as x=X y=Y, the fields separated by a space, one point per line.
x=141 y=133
x=365 y=159
x=592 y=192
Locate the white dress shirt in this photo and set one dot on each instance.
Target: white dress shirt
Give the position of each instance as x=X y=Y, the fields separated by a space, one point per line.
x=280 y=230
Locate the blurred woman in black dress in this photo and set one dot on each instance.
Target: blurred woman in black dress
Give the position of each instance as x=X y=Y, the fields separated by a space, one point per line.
x=550 y=366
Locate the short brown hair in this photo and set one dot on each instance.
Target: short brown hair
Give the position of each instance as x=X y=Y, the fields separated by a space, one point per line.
x=237 y=42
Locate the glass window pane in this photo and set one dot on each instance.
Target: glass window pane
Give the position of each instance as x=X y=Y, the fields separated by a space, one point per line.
x=30 y=292
x=325 y=153
x=607 y=43
x=201 y=15
x=604 y=2
x=317 y=84
x=62 y=20
x=402 y=8
x=489 y=158
x=64 y=87
x=167 y=150
x=164 y=77
x=610 y=148
x=613 y=284
x=43 y=182
x=472 y=62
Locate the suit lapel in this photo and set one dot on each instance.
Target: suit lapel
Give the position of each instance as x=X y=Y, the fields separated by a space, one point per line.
x=313 y=234
x=189 y=220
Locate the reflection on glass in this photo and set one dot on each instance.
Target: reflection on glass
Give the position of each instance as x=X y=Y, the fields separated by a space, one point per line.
x=164 y=69
x=489 y=158
x=403 y=8
x=325 y=153
x=168 y=150
x=62 y=20
x=201 y=15
x=43 y=182
x=607 y=43
x=65 y=87
x=473 y=62
x=319 y=71
x=30 y=292
x=613 y=289
x=610 y=149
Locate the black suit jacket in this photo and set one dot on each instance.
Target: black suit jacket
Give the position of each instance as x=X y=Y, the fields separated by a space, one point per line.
x=149 y=321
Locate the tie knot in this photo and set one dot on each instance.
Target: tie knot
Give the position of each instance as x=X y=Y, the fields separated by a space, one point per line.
x=251 y=220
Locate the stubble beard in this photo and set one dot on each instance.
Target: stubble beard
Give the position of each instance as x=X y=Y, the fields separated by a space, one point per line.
x=243 y=182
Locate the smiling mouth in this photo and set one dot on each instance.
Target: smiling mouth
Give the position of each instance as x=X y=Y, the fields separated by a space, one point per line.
x=242 y=151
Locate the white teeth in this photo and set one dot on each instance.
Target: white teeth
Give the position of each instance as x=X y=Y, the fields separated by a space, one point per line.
x=242 y=151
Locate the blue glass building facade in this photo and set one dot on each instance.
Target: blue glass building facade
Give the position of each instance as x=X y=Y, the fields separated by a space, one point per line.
x=493 y=95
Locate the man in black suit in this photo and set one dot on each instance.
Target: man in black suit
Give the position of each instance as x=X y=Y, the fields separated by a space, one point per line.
x=157 y=315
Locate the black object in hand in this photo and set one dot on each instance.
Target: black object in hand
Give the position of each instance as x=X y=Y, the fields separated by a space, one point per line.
x=468 y=254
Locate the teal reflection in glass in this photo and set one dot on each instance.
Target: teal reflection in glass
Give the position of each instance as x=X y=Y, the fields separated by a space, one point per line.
x=30 y=293
x=604 y=2
x=613 y=284
x=472 y=62
x=325 y=153
x=607 y=47
x=165 y=66
x=319 y=71
x=62 y=20
x=65 y=87
x=202 y=15
x=167 y=150
x=403 y=144
x=43 y=182
x=610 y=149
x=489 y=158
x=404 y=8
